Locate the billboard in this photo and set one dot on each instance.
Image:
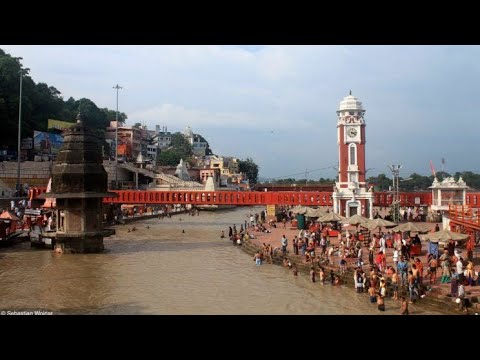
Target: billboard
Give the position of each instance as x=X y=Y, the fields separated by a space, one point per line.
x=59 y=125
x=46 y=143
x=27 y=144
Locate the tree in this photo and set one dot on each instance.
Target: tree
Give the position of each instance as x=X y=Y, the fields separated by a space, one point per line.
x=180 y=149
x=381 y=182
x=250 y=169
x=39 y=103
x=111 y=115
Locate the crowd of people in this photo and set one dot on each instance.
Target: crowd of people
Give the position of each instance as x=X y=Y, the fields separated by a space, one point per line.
x=394 y=262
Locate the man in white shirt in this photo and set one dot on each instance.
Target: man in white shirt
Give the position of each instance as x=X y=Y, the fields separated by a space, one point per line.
x=459 y=265
x=284 y=244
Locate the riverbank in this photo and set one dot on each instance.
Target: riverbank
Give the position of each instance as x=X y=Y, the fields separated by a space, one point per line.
x=435 y=299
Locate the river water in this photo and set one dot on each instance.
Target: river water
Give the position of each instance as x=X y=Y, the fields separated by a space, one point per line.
x=161 y=270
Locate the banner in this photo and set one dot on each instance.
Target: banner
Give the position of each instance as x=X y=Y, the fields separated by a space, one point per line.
x=59 y=125
x=271 y=210
x=46 y=143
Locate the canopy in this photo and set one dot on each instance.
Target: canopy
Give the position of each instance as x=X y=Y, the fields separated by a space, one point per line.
x=311 y=212
x=331 y=216
x=409 y=226
x=299 y=209
x=444 y=235
x=8 y=215
x=372 y=224
x=356 y=220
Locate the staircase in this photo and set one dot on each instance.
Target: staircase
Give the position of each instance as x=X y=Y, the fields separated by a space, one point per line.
x=132 y=168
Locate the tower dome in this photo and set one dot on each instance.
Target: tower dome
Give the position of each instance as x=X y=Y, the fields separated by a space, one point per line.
x=350 y=102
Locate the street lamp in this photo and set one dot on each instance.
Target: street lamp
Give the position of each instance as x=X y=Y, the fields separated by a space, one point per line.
x=117 y=87
x=395 y=172
x=21 y=72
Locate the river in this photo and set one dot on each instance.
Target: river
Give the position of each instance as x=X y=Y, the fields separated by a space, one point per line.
x=158 y=269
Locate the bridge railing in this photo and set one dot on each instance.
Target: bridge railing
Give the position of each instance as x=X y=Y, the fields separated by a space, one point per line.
x=464 y=214
x=220 y=198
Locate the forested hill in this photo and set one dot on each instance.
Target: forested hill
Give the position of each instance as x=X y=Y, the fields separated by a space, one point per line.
x=40 y=102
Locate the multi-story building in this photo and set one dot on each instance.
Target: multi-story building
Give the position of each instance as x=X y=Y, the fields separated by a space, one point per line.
x=163 y=138
x=129 y=140
x=199 y=147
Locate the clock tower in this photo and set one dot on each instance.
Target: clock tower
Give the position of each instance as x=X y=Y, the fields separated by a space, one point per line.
x=351 y=195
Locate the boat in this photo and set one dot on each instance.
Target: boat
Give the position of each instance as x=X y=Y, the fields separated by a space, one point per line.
x=9 y=234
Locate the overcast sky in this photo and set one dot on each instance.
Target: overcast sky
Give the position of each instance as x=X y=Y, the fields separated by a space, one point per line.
x=277 y=104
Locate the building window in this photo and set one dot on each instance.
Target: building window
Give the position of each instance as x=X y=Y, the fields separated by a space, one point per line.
x=350 y=113
x=353 y=155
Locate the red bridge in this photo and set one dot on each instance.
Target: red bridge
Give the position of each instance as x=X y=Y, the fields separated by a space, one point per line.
x=249 y=198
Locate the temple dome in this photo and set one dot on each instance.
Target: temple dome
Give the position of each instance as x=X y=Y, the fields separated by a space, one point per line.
x=350 y=102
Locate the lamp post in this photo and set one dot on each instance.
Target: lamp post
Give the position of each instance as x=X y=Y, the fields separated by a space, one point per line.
x=117 y=87
x=21 y=72
x=395 y=172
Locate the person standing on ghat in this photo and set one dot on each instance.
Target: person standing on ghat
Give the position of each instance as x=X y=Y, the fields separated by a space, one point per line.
x=284 y=244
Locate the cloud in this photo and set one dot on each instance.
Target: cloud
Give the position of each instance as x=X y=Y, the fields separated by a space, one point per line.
x=180 y=117
x=420 y=100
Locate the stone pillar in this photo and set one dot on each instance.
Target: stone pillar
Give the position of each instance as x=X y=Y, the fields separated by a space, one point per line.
x=370 y=206
x=335 y=205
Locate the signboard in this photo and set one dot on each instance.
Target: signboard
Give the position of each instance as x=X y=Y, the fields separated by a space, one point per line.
x=417 y=200
x=33 y=212
x=271 y=210
x=27 y=144
x=59 y=125
x=47 y=143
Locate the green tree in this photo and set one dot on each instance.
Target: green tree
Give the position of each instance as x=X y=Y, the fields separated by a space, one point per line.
x=39 y=103
x=169 y=158
x=180 y=149
x=381 y=182
x=249 y=167
x=111 y=115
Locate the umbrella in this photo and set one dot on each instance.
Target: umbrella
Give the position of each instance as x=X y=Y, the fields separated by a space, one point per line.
x=7 y=215
x=299 y=209
x=444 y=235
x=356 y=220
x=372 y=224
x=409 y=226
x=331 y=216
x=314 y=212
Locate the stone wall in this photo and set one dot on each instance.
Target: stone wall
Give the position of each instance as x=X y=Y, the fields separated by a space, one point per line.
x=37 y=173
x=33 y=173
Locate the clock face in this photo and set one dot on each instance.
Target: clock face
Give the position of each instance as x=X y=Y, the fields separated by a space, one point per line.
x=352 y=132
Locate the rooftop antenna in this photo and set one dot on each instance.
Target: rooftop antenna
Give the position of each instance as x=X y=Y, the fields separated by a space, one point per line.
x=350 y=91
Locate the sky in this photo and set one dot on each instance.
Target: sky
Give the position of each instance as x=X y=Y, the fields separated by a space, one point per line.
x=277 y=104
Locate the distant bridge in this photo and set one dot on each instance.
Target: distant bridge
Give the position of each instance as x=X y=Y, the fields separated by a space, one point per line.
x=250 y=198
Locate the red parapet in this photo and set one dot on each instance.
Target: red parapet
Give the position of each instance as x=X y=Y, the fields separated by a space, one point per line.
x=385 y=198
x=313 y=198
